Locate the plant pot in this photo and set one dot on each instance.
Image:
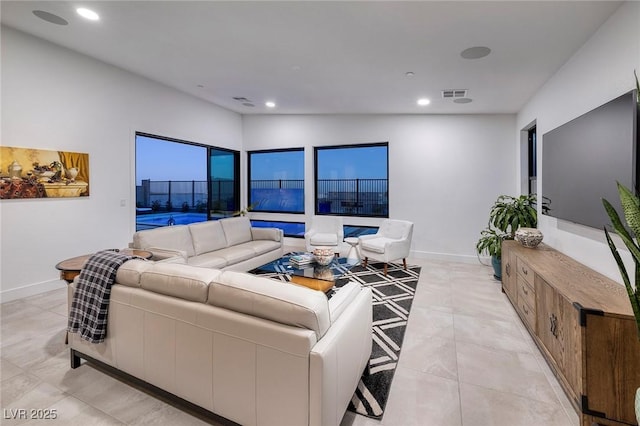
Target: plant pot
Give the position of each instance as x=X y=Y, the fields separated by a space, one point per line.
x=496 y=262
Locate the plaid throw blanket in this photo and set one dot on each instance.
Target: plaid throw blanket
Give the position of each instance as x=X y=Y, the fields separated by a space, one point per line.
x=88 y=313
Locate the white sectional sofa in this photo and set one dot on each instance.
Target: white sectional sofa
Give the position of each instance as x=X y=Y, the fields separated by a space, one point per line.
x=250 y=349
x=223 y=244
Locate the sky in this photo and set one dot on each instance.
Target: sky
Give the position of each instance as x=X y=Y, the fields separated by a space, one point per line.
x=158 y=159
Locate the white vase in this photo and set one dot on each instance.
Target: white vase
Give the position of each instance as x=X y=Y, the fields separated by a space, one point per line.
x=72 y=173
x=15 y=169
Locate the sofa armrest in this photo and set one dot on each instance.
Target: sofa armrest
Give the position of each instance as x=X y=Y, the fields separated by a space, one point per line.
x=273 y=234
x=161 y=253
x=337 y=361
x=341 y=300
x=397 y=249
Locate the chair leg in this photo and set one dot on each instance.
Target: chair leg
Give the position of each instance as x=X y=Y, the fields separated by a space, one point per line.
x=366 y=260
x=385 y=269
x=404 y=262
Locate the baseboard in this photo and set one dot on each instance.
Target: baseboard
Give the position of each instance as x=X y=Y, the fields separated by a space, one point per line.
x=461 y=258
x=30 y=290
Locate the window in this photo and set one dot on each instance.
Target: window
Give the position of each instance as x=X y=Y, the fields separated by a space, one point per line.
x=276 y=180
x=172 y=183
x=352 y=180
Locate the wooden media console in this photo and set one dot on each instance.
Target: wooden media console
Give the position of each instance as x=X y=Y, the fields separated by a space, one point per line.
x=583 y=324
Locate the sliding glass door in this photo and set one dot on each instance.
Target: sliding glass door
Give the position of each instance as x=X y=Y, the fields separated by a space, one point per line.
x=224 y=183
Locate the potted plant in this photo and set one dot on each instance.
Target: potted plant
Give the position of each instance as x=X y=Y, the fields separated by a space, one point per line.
x=507 y=214
x=490 y=243
x=631 y=209
x=629 y=236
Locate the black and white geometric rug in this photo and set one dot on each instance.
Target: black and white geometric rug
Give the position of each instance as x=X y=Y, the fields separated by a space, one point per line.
x=392 y=297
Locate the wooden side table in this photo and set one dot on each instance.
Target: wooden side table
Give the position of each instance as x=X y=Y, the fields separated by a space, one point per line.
x=70 y=268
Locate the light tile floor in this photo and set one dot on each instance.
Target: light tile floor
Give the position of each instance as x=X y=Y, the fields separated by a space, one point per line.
x=466 y=360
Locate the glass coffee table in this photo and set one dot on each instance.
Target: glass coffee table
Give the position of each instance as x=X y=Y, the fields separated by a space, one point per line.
x=312 y=275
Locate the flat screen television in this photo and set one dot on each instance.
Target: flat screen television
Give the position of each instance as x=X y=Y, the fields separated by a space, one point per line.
x=583 y=159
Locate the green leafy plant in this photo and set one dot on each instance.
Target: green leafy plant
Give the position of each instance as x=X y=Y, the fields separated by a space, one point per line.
x=631 y=209
x=507 y=214
x=490 y=242
x=243 y=211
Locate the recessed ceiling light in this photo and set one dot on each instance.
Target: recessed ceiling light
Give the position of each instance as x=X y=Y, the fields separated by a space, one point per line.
x=50 y=17
x=88 y=13
x=270 y=104
x=409 y=74
x=463 y=100
x=423 y=101
x=476 y=52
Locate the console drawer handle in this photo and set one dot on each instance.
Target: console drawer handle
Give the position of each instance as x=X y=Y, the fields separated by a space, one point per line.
x=508 y=269
x=524 y=290
x=524 y=270
x=524 y=308
x=553 y=319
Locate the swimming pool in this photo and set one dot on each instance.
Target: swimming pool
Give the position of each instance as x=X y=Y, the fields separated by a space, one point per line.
x=155 y=220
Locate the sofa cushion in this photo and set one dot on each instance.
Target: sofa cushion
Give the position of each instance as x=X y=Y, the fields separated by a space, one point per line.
x=272 y=300
x=129 y=272
x=236 y=254
x=207 y=236
x=237 y=230
x=262 y=246
x=183 y=281
x=208 y=260
x=175 y=237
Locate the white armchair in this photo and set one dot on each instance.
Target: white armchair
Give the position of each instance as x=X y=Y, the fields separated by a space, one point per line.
x=391 y=242
x=324 y=231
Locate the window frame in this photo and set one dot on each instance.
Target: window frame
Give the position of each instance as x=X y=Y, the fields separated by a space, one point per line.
x=249 y=180
x=316 y=203
x=532 y=149
x=207 y=153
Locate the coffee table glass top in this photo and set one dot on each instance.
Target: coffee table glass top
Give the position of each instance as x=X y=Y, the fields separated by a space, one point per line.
x=331 y=272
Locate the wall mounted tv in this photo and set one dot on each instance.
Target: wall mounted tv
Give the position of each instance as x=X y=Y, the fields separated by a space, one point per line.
x=583 y=159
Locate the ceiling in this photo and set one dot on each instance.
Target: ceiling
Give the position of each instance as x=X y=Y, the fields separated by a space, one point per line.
x=322 y=57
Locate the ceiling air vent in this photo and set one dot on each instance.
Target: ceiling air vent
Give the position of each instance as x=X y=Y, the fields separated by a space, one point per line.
x=454 y=93
x=241 y=99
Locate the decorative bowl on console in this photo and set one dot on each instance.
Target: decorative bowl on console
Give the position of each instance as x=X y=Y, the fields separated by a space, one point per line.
x=323 y=256
x=529 y=237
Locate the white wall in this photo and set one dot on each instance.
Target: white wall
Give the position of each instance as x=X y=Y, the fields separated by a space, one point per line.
x=444 y=171
x=600 y=71
x=53 y=98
